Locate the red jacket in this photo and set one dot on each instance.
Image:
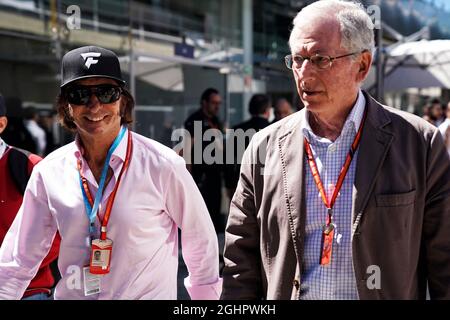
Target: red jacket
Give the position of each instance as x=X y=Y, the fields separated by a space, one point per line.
x=10 y=201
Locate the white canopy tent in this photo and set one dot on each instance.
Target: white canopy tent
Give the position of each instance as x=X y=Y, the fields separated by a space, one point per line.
x=166 y=75
x=416 y=64
x=164 y=72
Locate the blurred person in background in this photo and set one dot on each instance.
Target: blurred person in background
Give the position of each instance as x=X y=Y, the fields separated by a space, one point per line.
x=16 y=134
x=31 y=119
x=444 y=128
x=111 y=190
x=426 y=113
x=16 y=166
x=259 y=108
x=437 y=113
x=208 y=177
x=282 y=109
x=48 y=123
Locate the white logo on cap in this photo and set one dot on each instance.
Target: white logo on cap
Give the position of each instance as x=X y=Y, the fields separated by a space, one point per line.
x=88 y=58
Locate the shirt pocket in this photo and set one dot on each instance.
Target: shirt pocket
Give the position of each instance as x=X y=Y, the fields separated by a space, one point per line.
x=395 y=199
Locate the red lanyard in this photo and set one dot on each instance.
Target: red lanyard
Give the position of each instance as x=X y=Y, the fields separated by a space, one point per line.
x=328 y=231
x=113 y=193
x=342 y=174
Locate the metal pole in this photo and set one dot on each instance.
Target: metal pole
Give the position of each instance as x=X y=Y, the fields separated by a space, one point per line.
x=41 y=11
x=247 y=31
x=131 y=66
x=132 y=74
x=95 y=13
x=380 y=65
x=55 y=7
x=227 y=102
x=59 y=47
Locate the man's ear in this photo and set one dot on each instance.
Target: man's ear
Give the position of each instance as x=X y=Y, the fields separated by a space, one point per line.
x=365 y=61
x=3 y=123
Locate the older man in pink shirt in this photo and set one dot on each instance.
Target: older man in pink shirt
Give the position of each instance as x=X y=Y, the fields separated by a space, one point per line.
x=114 y=193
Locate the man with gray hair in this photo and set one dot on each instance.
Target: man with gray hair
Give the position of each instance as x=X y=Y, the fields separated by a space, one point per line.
x=347 y=198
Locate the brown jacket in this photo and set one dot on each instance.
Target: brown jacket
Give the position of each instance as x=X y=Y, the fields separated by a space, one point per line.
x=401 y=211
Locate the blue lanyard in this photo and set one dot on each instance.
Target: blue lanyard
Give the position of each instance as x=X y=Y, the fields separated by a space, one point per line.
x=92 y=211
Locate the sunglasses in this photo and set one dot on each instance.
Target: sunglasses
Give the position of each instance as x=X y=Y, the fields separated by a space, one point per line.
x=105 y=93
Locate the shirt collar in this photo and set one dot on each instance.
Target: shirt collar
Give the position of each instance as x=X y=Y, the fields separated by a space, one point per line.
x=444 y=126
x=353 y=119
x=2 y=147
x=119 y=153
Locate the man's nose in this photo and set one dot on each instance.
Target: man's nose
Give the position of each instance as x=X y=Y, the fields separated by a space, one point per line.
x=306 y=72
x=305 y=69
x=93 y=102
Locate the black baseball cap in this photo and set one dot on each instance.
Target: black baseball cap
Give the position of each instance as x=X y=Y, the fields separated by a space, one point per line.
x=2 y=106
x=90 y=62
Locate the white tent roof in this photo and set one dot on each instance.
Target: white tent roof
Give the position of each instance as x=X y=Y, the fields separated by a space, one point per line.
x=417 y=64
x=420 y=47
x=165 y=72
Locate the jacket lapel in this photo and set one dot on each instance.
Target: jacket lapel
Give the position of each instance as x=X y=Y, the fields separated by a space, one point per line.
x=375 y=143
x=290 y=144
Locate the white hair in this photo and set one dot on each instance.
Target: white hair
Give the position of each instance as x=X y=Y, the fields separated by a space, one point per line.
x=356 y=26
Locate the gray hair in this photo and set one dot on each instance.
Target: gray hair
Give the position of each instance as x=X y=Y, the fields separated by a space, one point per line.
x=355 y=24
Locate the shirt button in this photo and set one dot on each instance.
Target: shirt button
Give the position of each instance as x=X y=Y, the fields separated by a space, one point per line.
x=332 y=148
x=296 y=284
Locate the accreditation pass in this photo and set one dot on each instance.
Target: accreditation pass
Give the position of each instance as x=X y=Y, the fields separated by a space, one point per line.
x=91 y=282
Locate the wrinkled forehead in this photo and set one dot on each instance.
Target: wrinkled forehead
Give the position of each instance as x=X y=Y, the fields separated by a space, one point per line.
x=316 y=34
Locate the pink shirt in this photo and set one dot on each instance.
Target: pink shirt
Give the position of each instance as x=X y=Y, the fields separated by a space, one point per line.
x=156 y=197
